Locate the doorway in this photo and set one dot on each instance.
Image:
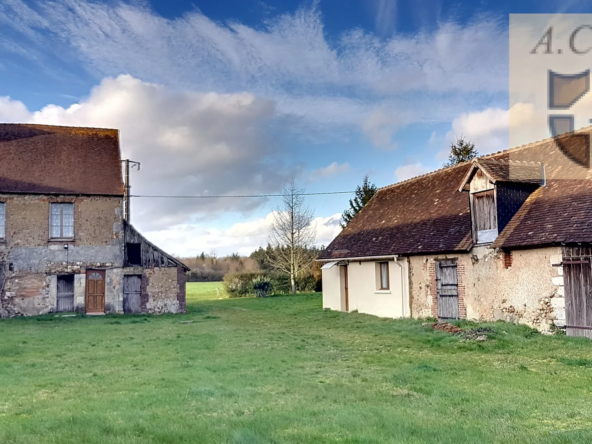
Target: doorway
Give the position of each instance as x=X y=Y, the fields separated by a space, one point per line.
x=95 y=291
x=345 y=286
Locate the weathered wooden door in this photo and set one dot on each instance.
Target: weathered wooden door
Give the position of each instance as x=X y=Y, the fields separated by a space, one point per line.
x=65 y=294
x=132 y=294
x=577 y=276
x=447 y=285
x=345 y=287
x=95 y=291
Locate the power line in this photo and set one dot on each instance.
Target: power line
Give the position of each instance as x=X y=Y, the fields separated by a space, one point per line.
x=239 y=196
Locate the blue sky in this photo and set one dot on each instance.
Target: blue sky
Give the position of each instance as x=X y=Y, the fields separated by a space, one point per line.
x=236 y=97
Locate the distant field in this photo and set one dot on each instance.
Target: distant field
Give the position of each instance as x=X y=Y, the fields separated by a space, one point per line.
x=205 y=291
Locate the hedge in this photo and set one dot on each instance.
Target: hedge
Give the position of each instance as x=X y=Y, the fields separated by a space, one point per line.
x=239 y=285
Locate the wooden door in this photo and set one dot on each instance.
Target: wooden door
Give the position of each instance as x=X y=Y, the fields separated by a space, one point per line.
x=345 y=287
x=447 y=285
x=95 y=291
x=577 y=276
x=132 y=294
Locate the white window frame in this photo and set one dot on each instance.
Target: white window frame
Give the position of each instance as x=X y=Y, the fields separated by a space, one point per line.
x=61 y=206
x=381 y=275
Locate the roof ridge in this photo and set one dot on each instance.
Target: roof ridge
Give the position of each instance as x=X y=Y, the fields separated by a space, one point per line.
x=490 y=156
x=536 y=142
x=411 y=179
x=31 y=124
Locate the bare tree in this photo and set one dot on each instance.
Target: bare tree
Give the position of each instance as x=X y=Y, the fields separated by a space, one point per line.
x=291 y=234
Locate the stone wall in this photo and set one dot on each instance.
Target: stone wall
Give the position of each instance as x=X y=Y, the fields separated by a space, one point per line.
x=524 y=288
x=32 y=261
x=166 y=290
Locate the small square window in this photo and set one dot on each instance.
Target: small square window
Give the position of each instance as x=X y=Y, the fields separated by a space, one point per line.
x=2 y=220
x=61 y=221
x=383 y=278
x=134 y=253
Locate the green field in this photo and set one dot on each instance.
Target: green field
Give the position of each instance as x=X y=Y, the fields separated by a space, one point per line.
x=205 y=291
x=282 y=370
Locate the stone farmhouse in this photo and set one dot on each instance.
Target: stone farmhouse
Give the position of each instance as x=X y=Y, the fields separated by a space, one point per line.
x=64 y=243
x=506 y=236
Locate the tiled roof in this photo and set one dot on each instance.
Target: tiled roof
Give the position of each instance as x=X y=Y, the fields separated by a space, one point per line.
x=560 y=211
x=43 y=159
x=420 y=215
x=428 y=214
x=512 y=171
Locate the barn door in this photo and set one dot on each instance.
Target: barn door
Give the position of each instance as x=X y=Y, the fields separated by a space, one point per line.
x=132 y=294
x=95 y=291
x=577 y=275
x=447 y=284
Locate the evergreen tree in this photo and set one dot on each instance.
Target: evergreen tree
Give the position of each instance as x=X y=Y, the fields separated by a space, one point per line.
x=461 y=151
x=363 y=194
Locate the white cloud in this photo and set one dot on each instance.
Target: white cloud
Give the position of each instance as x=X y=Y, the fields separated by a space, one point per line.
x=331 y=170
x=380 y=126
x=188 y=144
x=327 y=228
x=487 y=129
x=407 y=77
x=242 y=237
x=411 y=170
x=13 y=111
x=386 y=15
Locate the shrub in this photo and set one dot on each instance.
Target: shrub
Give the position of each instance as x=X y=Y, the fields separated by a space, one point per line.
x=239 y=285
x=262 y=286
x=205 y=276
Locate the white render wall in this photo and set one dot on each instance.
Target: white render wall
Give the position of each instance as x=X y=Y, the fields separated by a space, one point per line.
x=333 y=292
x=364 y=295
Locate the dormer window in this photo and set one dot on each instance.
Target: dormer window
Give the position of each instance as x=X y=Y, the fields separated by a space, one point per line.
x=497 y=189
x=484 y=216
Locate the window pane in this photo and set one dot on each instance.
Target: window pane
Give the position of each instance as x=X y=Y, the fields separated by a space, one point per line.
x=55 y=231
x=2 y=219
x=68 y=208
x=384 y=275
x=68 y=222
x=62 y=220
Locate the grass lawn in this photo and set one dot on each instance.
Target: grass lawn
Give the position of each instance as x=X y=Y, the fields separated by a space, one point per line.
x=205 y=291
x=282 y=370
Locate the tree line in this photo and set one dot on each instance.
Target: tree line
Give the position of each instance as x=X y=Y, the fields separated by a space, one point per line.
x=291 y=250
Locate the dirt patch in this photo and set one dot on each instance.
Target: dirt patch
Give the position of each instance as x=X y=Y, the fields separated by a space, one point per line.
x=448 y=328
x=477 y=334
x=473 y=334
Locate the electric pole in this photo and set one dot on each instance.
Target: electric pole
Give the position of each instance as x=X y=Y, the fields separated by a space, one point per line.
x=127 y=186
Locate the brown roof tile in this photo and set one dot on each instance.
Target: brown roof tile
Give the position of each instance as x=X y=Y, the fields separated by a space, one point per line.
x=512 y=171
x=429 y=214
x=43 y=159
x=421 y=215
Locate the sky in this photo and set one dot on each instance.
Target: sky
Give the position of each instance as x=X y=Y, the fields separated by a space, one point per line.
x=236 y=97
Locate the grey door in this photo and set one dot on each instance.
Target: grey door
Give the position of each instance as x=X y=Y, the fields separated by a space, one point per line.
x=132 y=294
x=447 y=284
x=577 y=275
